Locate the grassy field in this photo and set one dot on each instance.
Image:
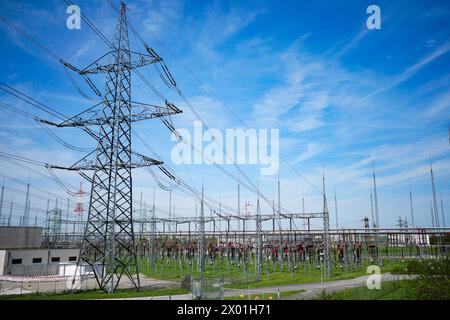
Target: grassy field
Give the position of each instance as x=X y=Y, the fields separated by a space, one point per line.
x=265 y=295
x=238 y=279
x=86 y=295
x=392 y=290
x=429 y=281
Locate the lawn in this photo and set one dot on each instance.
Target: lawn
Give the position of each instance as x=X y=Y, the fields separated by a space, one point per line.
x=236 y=278
x=265 y=295
x=390 y=290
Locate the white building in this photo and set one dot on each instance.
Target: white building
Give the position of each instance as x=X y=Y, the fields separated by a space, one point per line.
x=37 y=262
x=21 y=254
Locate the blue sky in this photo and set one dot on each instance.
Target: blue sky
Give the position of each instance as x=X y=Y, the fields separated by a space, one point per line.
x=341 y=95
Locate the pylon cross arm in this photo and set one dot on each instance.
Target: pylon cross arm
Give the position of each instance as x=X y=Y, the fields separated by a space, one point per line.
x=94 y=116
x=89 y=162
x=131 y=60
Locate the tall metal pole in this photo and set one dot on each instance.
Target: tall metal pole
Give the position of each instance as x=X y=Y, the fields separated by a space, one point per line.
x=201 y=239
x=47 y=218
x=326 y=232
x=442 y=212
x=67 y=215
x=374 y=224
x=170 y=209
x=153 y=233
x=280 y=239
x=273 y=220
x=173 y=216
x=10 y=214
x=144 y=216
x=141 y=214
x=412 y=210
x=377 y=217
x=305 y=222
x=432 y=215
x=58 y=219
x=26 y=216
x=239 y=205
x=258 y=247
x=435 y=205
x=1 y=201
x=303 y=204
x=336 y=209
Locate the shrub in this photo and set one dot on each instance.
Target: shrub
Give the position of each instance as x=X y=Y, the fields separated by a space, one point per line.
x=431 y=279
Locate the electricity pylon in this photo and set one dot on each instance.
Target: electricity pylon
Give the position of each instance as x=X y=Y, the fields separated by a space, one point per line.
x=109 y=243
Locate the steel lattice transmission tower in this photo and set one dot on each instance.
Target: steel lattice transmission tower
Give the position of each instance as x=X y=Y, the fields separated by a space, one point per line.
x=109 y=243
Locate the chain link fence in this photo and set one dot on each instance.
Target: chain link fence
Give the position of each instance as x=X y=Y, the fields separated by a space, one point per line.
x=53 y=285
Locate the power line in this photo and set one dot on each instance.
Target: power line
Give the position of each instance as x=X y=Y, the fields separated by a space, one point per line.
x=172 y=84
x=204 y=85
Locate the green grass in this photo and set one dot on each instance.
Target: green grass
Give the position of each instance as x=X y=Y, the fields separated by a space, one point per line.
x=265 y=295
x=236 y=278
x=87 y=295
x=286 y=278
x=390 y=290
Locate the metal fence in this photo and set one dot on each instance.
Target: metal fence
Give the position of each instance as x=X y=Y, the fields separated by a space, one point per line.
x=53 y=285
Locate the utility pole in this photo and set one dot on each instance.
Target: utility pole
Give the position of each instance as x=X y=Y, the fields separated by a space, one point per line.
x=153 y=233
x=374 y=224
x=1 y=201
x=411 y=207
x=26 y=216
x=432 y=214
x=305 y=221
x=258 y=246
x=47 y=218
x=279 y=212
x=435 y=205
x=442 y=212
x=336 y=210
x=170 y=209
x=201 y=239
x=10 y=214
x=141 y=214
x=109 y=239
x=273 y=220
x=377 y=217
x=67 y=215
x=326 y=232
x=239 y=205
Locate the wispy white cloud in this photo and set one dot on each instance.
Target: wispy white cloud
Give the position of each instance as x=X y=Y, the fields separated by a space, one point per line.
x=441 y=103
x=312 y=149
x=412 y=70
